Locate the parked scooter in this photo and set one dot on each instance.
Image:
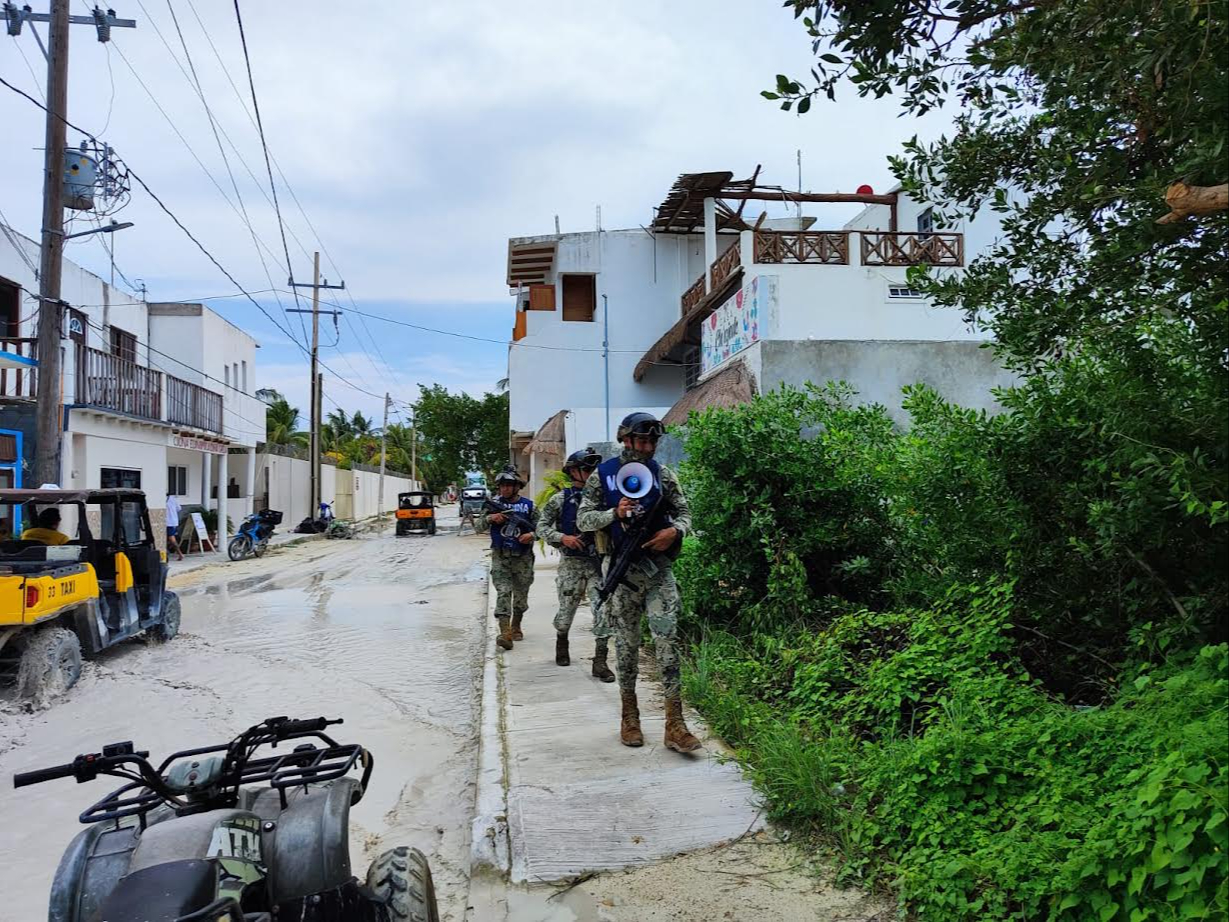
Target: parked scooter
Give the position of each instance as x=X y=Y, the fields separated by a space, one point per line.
x=319 y=524
x=254 y=534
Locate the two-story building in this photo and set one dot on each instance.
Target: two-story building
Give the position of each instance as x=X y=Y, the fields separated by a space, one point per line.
x=153 y=396
x=715 y=302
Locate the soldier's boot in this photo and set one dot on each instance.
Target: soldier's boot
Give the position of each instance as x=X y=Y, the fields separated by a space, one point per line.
x=561 y=649
x=678 y=737
x=600 y=669
x=505 y=633
x=516 y=626
x=629 y=730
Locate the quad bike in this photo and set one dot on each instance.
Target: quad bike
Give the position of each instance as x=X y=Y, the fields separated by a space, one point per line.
x=201 y=838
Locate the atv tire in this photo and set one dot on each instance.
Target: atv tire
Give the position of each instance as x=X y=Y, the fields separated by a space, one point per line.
x=401 y=880
x=168 y=627
x=50 y=663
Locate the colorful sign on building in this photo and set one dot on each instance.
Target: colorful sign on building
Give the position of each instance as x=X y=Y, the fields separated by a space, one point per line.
x=737 y=323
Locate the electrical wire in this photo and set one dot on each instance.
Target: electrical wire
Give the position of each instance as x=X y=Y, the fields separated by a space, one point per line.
x=264 y=146
x=33 y=76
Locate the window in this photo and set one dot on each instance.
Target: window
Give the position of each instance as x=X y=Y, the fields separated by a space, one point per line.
x=120 y=477
x=904 y=293
x=226 y=374
x=691 y=367
x=579 y=296
x=176 y=481
x=244 y=366
x=926 y=222
x=123 y=344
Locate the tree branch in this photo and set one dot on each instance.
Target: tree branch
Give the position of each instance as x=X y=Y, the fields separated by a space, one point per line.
x=1194 y=201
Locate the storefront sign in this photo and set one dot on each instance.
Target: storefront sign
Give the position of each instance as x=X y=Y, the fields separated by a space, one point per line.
x=736 y=324
x=194 y=444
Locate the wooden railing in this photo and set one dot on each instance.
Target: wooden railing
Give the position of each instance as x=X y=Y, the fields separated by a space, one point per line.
x=106 y=380
x=935 y=249
x=18 y=382
x=192 y=405
x=824 y=247
x=693 y=295
x=725 y=265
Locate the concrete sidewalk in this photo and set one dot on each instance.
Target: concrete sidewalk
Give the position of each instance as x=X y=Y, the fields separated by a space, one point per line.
x=573 y=798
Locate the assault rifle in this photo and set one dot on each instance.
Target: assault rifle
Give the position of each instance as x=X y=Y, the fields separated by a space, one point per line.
x=522 y=524
x=643 y=528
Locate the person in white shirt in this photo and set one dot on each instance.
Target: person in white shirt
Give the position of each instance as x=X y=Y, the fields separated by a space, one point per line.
x=172 y=525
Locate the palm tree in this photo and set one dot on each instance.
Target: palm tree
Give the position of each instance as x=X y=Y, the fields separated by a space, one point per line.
x=282 y=421
x=360 y=425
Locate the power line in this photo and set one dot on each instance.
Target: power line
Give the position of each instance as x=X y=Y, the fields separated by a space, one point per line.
x=260 y=128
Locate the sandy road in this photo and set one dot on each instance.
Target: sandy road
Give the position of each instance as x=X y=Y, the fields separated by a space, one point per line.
x=384 y=632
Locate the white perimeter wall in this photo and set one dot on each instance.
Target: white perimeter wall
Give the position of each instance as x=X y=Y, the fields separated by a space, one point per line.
x=357 y=491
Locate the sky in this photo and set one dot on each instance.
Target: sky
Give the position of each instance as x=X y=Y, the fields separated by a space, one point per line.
x=410 y=141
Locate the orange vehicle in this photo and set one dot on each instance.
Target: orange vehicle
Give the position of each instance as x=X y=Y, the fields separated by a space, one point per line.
x=415 y=512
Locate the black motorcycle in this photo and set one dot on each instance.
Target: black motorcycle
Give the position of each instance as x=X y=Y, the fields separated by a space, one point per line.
x=231 y=833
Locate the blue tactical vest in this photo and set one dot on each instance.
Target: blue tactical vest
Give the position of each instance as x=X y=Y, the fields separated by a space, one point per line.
x=567 y=522
x=608 y=471
x=504 y=537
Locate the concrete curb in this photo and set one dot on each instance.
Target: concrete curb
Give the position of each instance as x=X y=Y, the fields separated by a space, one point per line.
x=490 y=849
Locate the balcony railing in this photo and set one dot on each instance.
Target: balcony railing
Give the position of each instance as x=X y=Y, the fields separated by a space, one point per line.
x=935 y=249
x=824 y=247
x=192 y=405
x=18 y=382
x=108 y=381
x=693 y=295
x=725 y=265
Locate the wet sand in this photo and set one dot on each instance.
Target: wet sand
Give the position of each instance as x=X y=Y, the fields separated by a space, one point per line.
x=384 y=632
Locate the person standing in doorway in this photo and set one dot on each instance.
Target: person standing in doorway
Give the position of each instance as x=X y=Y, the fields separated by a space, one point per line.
x=172 y=525
x=580 y=570
x=512 y=522
x=649 y=589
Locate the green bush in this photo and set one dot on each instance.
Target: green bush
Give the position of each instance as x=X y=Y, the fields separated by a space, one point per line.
x=915 y=746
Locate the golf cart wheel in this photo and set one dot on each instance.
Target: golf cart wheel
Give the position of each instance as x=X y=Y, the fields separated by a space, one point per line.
x=240 y=546
x=168 y=627
x=401 y=880
x=431 y=528
x=50 y=662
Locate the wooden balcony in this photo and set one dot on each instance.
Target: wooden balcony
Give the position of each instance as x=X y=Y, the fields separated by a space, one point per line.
x=107 y=381
x=830 y=248
x=19 y=383
x=192 y=405
x=725 y=265
x=693 y=296
x=935 y=249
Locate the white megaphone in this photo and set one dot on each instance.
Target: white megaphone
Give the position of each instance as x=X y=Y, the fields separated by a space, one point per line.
x=634 y=480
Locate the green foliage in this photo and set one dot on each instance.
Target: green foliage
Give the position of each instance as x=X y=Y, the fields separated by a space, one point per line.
x=459 y=433
x=915 y=745
x=555 y=482
x=282 y=421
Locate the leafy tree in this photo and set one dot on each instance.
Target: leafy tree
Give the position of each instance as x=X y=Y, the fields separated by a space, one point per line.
x=282 y=421
x=460 y=433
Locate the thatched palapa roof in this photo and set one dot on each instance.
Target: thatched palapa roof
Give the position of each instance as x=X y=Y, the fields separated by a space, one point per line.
x=727 y=388
x=550 y=438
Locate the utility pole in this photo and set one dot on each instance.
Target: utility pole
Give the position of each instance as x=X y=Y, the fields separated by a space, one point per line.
x=414 y=446
x=383 y=460
x=51 y=255
x=314 y=445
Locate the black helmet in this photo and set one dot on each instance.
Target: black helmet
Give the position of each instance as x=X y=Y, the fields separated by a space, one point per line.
x=585 y=458
x=643 y=424
x=508 y=475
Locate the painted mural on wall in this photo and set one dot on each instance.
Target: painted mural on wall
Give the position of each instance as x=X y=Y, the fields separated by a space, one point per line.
x=737 y=323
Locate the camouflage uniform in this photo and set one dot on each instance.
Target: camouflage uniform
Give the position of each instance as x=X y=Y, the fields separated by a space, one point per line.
x=576 y=577
x=649 y=589
x=512 y=573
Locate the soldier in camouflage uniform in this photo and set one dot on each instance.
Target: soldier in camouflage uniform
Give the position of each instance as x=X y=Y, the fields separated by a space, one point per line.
x=511 y=556
x=649 y=588
x=580 y=569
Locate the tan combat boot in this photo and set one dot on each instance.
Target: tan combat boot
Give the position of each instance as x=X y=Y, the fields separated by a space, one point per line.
x=505 y=633
x=516 y=626
x=678 y=737
x=561 y=650
x=629 y=731
x=600 y=669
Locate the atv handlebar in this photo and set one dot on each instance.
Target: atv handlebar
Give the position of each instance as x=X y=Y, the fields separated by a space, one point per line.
x=39 y=775
x=86 y=767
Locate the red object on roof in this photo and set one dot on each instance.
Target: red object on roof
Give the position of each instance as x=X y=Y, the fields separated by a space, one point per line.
x=864 y=189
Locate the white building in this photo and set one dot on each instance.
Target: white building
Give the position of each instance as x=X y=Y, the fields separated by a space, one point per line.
x=154 y=396
x=716 y=303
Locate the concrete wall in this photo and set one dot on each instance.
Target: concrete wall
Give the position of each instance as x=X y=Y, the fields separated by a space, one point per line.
x=642 y=278
x=962 y=372
x=353 y=494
